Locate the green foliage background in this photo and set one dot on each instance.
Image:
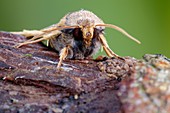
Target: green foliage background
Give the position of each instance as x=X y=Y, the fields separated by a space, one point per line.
x=147 y=20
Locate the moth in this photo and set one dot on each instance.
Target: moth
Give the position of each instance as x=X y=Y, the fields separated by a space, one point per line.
x=78 y=35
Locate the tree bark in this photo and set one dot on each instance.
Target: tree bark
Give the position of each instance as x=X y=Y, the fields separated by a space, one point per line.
x=30 y=82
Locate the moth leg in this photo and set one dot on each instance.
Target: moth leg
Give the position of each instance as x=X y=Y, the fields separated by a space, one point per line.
x=63 y=55
x=106 y=48
x=39 y=38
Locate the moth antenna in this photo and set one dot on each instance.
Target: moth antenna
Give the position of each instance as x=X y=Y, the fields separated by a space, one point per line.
x=120 y=30
x=47 y=30
x=57 y=28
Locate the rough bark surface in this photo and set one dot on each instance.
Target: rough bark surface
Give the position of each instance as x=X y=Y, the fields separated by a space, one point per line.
x=29 y=81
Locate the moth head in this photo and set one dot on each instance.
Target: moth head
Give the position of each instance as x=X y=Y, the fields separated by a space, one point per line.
x=87 y=28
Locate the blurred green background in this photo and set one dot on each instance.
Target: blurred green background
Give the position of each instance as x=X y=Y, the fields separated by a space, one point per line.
x=146 y=20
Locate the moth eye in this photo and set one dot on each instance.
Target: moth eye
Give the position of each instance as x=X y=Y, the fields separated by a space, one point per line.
x=97 y=32
x=77 y=33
